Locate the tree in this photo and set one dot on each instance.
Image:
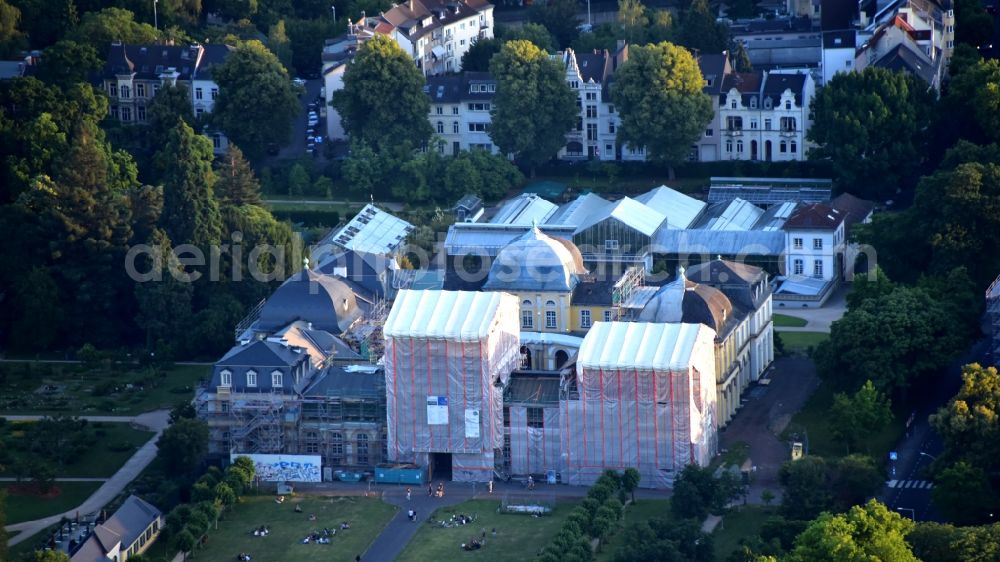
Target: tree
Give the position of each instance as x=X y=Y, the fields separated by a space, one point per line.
x=701 y=32
x=869 y=532
x=560 y=17
x=933 y=541
x=184 y=541
x=169 y=105
x=630 y=481
x=973 y=24
x=236 y=183
x=872 y=126
x=477 y=58
x=306 y=38
x=969 y=424
x=183 y=445
x=855 y=480
x=632 y=19
x=855 y=417
x=100 y=29
x=50 y=556
x=767 y=496
x=526 y=80
x=807 y=488
x=190 y=210
x=533 y=32
x=696 y=493
x=237 y=9
x=68 y=62
x=662 y=540
x=11 y=38
x=382 y=102
x=298 y=179
x=658 y=93
x=36 y=303
x=250 y=74
x=164 y=306
x=963 y=494
x=280 y=44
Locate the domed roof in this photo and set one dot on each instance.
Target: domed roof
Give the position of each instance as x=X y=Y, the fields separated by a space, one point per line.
x=536 y=261
x=325 y=301
x=685 y=301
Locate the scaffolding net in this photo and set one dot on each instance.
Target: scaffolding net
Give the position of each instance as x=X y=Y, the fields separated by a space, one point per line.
x=448 y=356
x=535 y=443
x=643 y=397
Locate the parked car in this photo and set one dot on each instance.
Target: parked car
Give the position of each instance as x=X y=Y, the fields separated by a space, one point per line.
x=318 y=139
x=298 y=82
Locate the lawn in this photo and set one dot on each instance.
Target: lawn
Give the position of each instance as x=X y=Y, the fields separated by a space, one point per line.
x=367 y=516
x=785 y=321
x=47 y=388
x=800 y=342
x=737 y=524
x=29 y=507
x=814 y=420
x=107 y=447
x=519 y=537
x=642 y=510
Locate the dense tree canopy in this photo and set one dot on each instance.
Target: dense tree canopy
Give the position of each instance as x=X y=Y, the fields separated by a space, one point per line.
x=701 y=32
x=250 y=74
x=872 y=125
x=856 y=417
x=477 y=58
x=658 y=93
x=807 y=488
x=662 y=540
x=190 y=210
x=67 y=63
x=869 y=532
x=183 y=445
x=100 y=29
x=527 y=82
x=560 y=17
x=382 y=102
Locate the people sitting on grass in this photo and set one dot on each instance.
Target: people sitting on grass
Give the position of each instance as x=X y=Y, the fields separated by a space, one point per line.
x=345 y=525
x=279 y=499
x=298 y=508
x=312 y=516
x=243 y=557
x=440 y=490
x=474 y=544
x=261 y=531
x=320 y=537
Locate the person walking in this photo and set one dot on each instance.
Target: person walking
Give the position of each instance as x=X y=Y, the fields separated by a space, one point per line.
x=489 y=486
x=409 y=491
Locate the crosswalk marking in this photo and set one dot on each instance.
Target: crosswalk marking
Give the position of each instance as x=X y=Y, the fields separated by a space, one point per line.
x=910 y=484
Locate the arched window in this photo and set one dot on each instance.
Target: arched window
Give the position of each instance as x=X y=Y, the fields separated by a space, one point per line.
x=226 y=377
x=336 y=448
x=277 y=379
x=440 y=128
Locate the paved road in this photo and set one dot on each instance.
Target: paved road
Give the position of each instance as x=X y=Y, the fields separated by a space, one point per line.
x=767 y=411
x=297 y=147
x=156 y=421
x=817 y=319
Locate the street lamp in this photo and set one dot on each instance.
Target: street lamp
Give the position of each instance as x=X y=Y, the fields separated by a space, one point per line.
x=155 y=23
x=334 y=10
x=913 y=513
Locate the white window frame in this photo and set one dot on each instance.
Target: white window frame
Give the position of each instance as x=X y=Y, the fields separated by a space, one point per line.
x=277 y=379
x=585 y=319
x=817 y=243
x=226 y=378
x=251 y=379
x=797 y=243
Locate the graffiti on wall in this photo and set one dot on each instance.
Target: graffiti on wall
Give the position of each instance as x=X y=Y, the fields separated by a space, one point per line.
x=286 y=468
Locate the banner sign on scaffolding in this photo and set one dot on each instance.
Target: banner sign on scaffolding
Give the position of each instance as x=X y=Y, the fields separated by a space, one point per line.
x=472 y=423
x=437 y=410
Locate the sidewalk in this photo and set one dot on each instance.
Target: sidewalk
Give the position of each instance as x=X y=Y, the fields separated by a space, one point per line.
x=156 y=421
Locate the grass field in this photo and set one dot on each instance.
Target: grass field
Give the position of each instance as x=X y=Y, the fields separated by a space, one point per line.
x=785 y=321
x=800 y=342
x=45 y=388
x=815 y=420
x=736 y=525
x=109 y=446
x=30 y=507
x=519 y=537
x=367 y=516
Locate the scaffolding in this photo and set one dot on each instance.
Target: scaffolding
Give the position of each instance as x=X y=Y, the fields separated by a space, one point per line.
x=631 y=280
x=366 y=335
x=259 y=422
x=993 y=310
x=249 y=319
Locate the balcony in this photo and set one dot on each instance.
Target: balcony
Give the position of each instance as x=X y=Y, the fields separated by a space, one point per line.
x=734 y=132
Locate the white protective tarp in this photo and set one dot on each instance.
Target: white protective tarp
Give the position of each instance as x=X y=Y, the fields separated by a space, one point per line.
x=457 y=350
x=535 y=450
x=645 y=398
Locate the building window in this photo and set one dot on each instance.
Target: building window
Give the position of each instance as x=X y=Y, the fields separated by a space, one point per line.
x=216 y=141
x=787 y=124
x=439 y=110
x=574 y=85
x=591 y=131
x=226 y=378
x=609 y=149
x=440 y=128
x=362 y=454
x=767 y=124
x=126 y=92
x=818 y=268
x=739 y=146
x=734 y=123
x=114 y=112
x=611 y=109
x=709 y=132
x=454 y=110
x=536 y=418
x=198 y=112
x=607 y=316
x=312 y=442
x=506 y=416
x=197 y=93
x=215 y=93
x=336 y=448
x=479 y=127
x=251 y=378
x=729 y=146
x=817 y=243
x=113 y=90
x=140 y=113
x=783 y=147
x=610 y=245
x=276 y=379
x=126 y=114
x=732 y=103
x=591 y=96
x=797 y=243
x=140 y=90
x=550 y=319
x=788 y=104
x=527 y=319
x=793 y=148
x=454 y=127
x=584 y=318
x=797 y=267
x=591 y=112
x=753 y=102
x=753 y=123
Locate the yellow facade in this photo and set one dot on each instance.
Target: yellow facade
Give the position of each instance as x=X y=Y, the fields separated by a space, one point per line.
x=584 y=316
x=545 y=311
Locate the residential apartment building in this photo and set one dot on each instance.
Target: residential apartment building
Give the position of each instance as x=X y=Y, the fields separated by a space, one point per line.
x=765 y=116
x=436 y=33
x=135 y=73
x=815 y=243
x=460 y=111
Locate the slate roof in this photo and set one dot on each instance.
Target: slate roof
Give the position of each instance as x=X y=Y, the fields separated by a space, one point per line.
x=131 y=519
x=533 y=389
x=327 y=301
x=408 y=17
x=148 y=62
x=902 y=58
x=840 y=39
x=348 y=381
x=724 y=271
x=259 y=353
x=854 y=208
x=455 y=88
x=360 y=268
x=593 y=291
x=817 y=216
x=714 y=67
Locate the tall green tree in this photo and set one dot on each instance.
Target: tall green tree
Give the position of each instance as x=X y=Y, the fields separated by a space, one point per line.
x=250 y=74
x=382 y=102
x=872 y=126
x=700 y=31
x=533 y=32
x=477 y=58
x=47 y=21
x=663 y=540
x=970 y=423
x=11 y=37
x=183 y=445
x=237 y=184
x=527 y=80
x=658 y=93
x=807 y=488
x=856 y=417
x=36 y=303
x=306 y=38
x=869 y=532
x=856 y=478
x=237 y=9
x=632 y=19
x=68 y=62
x=560 y=17
x=280 y=44
x=100 y=29
x=963 y=494
x=190 y=210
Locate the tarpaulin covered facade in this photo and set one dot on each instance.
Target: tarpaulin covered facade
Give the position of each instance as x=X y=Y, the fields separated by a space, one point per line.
x=535 y=443
x=448 y=356
x=643 y=397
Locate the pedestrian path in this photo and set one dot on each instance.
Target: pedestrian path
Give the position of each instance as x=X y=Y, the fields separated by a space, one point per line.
x=910 y=484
